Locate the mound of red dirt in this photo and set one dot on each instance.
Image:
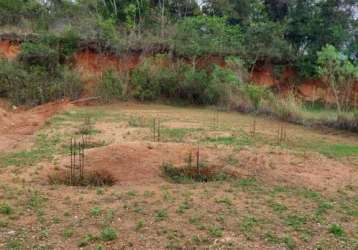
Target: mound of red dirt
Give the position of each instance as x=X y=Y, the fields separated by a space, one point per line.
x=139 y=163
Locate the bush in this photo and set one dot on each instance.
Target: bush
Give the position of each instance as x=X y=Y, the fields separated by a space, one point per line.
x=145 y=89
x=194 y=87
x=222 y=85
x=69 y=42
x=35 y=85
x=154 y=79
x=41 y=53
x=110 y=87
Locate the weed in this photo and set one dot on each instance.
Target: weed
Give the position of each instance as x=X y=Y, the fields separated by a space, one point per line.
x=87 y=239
x=176 y=134
x=160 y=215
x=95 y=211
x=295 y=221
x=109 y=234
x=216 y=231
x=189 y=174
x=68 y=232
x=224 y=200
x=277 y=207
x=336 y=230
x=131 y=193
x=196 y=220
x=3 y=223
x=183 y=206
x=323 y=207
x=272 y=238
x=289 y=241
x=248 y=224
x=238 y=142
x=139 y=225
x=99 y=191
x=231 y=160
x=148 y=194
x=5 y=209
x=35 y=201
x=109 y=217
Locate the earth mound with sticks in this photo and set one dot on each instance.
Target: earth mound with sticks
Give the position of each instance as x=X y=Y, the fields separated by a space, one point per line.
x=140 y=163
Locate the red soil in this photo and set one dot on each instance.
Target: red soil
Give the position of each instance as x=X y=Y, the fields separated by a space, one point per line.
x=263 y=75
x=9 y=50
x=90 y=63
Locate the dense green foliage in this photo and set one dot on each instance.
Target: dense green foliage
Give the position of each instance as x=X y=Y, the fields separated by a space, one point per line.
x=259 y=30
x=33 y=85
x=316 y=38
x=110 y=88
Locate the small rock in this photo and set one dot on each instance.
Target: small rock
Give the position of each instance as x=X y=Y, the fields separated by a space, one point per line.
x=12 y=232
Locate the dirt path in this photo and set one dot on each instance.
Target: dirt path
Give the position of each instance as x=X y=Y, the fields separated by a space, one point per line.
x=15 y=127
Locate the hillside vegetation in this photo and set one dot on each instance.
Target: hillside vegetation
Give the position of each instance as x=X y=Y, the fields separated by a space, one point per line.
x=315 y=39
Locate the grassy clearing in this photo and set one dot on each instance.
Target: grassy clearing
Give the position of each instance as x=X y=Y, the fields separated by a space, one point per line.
x=225 y=213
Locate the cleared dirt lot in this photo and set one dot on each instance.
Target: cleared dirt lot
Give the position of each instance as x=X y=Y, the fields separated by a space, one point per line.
x=299 y=192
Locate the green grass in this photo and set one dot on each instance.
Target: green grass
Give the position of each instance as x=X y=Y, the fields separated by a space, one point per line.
x=338 y=150
x=332 y=150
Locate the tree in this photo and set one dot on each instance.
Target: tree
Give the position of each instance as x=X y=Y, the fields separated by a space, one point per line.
x=337 y=70
x=264 y=41
x=313 y=24
x=197 y=36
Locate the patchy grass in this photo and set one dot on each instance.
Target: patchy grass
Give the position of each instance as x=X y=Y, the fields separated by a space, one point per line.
x=44 y=149
x=226 y=213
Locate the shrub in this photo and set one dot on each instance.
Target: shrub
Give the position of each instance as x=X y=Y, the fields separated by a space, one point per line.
x=145 y=87
x=194 y=87
x=70 y=84
x=222 y=85
x=35 y=85
x=40 y=53
x=110 y=87
x=69 y=42
x=255 y=94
